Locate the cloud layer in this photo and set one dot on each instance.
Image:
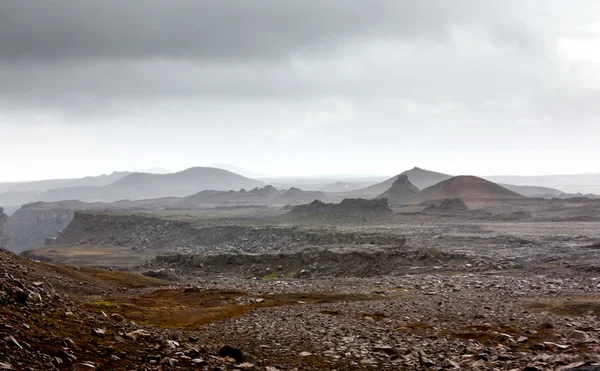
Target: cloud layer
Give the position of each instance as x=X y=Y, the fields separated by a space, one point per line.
x=482 y=74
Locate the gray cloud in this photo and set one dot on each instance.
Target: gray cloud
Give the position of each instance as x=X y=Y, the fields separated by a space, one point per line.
x=319 y=74
x=241 y=31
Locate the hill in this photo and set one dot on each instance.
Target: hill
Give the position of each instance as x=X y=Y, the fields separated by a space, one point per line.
x=467 y=187
x=138 y=186
x=44 y=185
x=401 y=191
x=420 y=178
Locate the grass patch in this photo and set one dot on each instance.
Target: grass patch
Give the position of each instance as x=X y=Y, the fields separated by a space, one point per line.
x=192 y=308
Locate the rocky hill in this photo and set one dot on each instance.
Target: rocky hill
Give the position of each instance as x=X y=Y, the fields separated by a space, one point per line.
x=401 y=191
x=3 y=228
x=139 y=186
x=467 y=187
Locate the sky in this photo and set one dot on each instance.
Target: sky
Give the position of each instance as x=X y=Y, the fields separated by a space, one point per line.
x=299 y=87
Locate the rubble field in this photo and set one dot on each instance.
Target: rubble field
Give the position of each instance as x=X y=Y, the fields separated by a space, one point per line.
x=430 y=293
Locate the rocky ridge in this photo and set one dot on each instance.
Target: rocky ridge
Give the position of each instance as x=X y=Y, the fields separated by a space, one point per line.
x=3 y=228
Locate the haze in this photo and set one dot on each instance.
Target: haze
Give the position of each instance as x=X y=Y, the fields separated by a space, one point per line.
x=299 y=87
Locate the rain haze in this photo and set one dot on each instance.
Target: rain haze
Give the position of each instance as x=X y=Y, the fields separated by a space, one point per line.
x=306 y=87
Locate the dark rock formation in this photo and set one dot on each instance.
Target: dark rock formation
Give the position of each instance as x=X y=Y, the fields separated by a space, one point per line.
x=445 y=205
x=401 y=191
x=3 y=228
x=348 y=208
x=30 y=225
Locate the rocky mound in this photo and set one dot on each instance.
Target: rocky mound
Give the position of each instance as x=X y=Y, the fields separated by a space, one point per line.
x=445 y=205
x=401 y=191
x=3 y=228
x=348 y=208
x=467 y=187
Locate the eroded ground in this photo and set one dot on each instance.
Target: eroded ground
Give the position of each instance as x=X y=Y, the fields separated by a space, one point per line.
x=422 y=293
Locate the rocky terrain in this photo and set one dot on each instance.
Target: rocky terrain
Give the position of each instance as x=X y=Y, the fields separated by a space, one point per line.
x=3 y=228
x=465 y=274
x=349 y=208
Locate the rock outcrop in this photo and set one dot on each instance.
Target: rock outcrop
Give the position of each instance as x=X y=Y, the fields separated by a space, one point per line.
x=445 y=205
x=401 y=191
x=30 y=225
x=349 y=208
x=3 y=228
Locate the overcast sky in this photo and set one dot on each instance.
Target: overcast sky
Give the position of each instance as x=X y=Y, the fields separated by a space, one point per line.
x=307 y=87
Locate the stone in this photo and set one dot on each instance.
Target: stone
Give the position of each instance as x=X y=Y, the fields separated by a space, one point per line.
x=168 y=361
x=305 y=354
x=554 y=346
x=99 y=332
x=138 y=334
x=117 y=317
x=83 y=367
x=231 y=352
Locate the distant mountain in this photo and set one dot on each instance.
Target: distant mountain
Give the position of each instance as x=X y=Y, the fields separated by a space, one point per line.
x=343 y=186
x=153 y=170
x=236 y=169
x=138 y=186
x=44 y=185
x=467 y=187
x=420 y=178
x=532 y=191
x=18 y=198
x=401 y=191
x=573 y=183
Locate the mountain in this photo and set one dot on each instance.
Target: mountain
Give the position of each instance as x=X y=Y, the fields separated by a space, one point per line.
x=532 y=191
x=420 y=178
x=16 y=198
x=236 y=169
x=573 y=183
x=138 y=186
x=401 y=191
x=343 y=186
x=44 y=185
x=467 y=187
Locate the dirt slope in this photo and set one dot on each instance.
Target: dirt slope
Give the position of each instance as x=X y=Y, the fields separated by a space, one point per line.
x=467 y=187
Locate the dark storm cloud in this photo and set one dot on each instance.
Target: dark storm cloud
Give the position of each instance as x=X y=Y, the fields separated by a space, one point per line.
x=90 y=57
x=238 y=30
